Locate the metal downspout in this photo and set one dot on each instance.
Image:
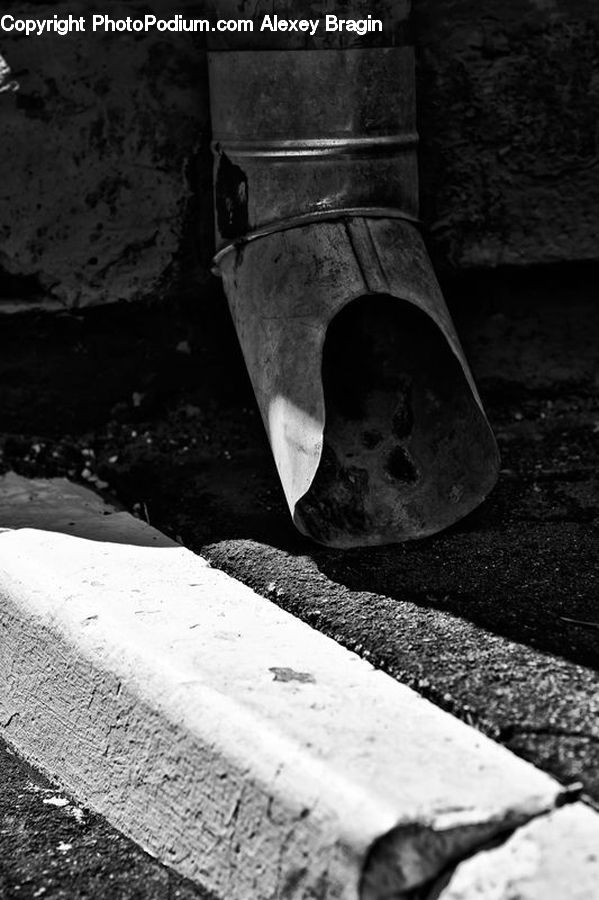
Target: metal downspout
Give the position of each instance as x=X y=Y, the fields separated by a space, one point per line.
x=375 y=423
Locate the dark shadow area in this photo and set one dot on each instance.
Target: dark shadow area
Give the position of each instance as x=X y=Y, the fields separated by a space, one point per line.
x=72 y=371
x=25 y=288
x=59 y=506
x=526 y=563
x=151 y=403
x=406 y=447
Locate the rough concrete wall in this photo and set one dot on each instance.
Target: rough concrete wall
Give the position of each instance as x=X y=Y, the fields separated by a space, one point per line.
x=105 y=173
x=98 y=161
x=509 y=124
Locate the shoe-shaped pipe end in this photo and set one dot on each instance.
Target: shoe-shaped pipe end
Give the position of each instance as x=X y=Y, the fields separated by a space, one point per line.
x=375 y=423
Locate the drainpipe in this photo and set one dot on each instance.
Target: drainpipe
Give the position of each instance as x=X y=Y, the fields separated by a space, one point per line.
x=373 y=417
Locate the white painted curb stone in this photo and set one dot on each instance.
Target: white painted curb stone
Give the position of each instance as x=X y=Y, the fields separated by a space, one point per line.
x=555 y=857
x=228 y=738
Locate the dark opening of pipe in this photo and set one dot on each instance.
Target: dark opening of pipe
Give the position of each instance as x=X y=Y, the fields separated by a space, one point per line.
x=406 y=446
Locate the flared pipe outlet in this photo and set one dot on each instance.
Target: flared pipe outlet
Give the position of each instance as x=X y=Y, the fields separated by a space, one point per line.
x=375 y=423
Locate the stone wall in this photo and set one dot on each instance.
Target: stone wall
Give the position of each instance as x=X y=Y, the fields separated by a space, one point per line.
x=105 y=168
x=509 y=124
x=104 y=149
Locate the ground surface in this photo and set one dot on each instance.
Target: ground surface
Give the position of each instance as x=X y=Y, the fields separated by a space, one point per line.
x=51 y=847
x=496 y=620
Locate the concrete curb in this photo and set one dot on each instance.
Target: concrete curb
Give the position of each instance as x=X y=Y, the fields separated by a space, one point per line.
x=555 y=856
x=228 y=738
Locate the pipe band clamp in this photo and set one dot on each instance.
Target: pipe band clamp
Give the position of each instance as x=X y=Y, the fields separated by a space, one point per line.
x=332 y=215
x=307 y=135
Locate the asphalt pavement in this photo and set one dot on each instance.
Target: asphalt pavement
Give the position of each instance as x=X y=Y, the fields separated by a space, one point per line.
x=53 y=847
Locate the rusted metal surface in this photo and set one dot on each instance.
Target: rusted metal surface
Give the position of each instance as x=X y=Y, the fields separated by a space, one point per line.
x=375 y=424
